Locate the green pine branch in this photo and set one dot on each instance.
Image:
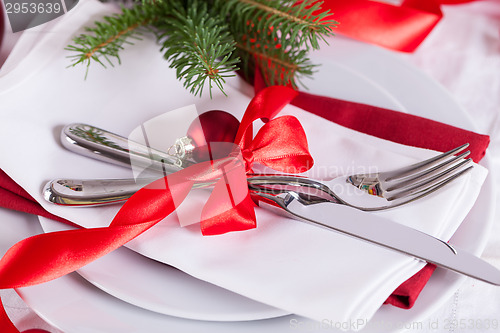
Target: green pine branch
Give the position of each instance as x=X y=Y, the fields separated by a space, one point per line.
x=300 y=22
x=197 y=43
x=207 y=40
x=275 y=36
x=108 y=37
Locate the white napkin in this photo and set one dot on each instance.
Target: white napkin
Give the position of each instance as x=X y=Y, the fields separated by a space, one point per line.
x=285 y=263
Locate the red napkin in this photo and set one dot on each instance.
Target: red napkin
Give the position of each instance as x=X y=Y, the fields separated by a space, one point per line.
x=2 y=25
x=387 y=124
x=13 y=196
x=393 y=125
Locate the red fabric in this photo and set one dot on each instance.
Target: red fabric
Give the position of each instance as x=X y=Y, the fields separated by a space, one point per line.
x=407 y=293
x=2 y=25
x=399 y=27
x=14 y=197
x=5 y=323
x=394 y=126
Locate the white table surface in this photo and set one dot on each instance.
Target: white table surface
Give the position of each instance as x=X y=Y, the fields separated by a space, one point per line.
x=463 y=54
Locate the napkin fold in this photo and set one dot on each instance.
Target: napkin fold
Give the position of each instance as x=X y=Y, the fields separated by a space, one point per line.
x=13 y=196
x=272 y=262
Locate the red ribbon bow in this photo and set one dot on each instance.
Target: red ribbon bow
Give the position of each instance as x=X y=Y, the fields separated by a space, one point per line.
x=280 y=144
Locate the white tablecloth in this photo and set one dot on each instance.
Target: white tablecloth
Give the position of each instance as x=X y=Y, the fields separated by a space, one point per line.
x=463 y=54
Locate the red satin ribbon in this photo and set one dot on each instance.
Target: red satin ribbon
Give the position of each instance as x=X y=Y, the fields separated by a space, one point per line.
x=280 y=144
x=401 y=28
x=5 y=323
x=45 y=257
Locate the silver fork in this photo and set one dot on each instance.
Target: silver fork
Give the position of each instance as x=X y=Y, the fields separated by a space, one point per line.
x=387 y=189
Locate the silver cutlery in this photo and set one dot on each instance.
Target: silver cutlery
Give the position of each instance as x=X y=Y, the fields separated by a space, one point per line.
x=368 y=192
x=311 y=201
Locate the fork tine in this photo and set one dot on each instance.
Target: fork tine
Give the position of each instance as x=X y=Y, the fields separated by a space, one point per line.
x=427 y=183
x=412 y=179
x=431 y=189
x=425 y=164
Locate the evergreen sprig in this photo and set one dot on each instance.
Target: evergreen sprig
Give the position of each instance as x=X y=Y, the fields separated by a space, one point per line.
x=300 y=22
x=275 y=36
x=199 y=46
x=206 y=40
x=106 y=39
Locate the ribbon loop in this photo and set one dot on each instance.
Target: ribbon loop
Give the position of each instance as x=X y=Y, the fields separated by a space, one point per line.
x=280 y=144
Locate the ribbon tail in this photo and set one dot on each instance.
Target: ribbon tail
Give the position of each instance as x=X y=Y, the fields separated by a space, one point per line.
x=238 y=218
x=45 y=257
x=401 y=28
x=229 y=207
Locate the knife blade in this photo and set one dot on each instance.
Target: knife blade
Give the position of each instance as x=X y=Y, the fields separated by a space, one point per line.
x=383 y=232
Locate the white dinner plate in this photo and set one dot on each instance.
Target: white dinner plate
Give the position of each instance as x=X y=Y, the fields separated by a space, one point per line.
x=75 y=306
x=352 y=71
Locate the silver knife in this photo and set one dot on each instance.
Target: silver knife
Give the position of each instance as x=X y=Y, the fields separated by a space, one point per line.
x=383 y=232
